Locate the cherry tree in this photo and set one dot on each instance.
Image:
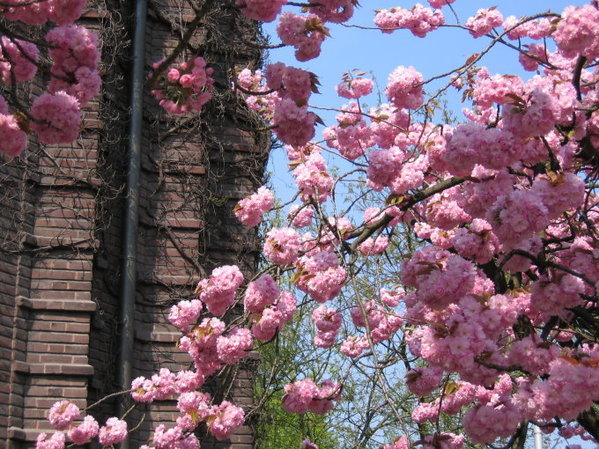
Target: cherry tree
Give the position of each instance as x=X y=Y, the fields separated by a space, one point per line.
x=491 y=317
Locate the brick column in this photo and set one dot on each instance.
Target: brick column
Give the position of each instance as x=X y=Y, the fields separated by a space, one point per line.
x=60 y=232
x=51 y=273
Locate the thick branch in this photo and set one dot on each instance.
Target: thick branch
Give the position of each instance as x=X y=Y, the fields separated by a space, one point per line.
x=408 y=202
x=590 y=422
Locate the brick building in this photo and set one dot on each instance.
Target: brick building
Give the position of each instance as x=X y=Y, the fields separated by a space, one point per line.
x=61 y=227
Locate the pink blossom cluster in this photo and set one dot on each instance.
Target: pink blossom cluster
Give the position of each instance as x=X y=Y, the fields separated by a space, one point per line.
x=307 y=444
x=553 y=296
x=577 y=33
x=419 y=20
x=185 y=313
x=56 y=118
x=439 y=3
x=305 y=395
x=209 y=347
x=379 y=322
x=518 y=216
x=534 y=116
x=62 y=414
x=61 y=12
x=159 y=387
x=410 y=175
x=570 y=431
x=218 y=291
x=224 y=419
x=293 y=124
x=18 y=60
x=320 y=275
x=391 y=298
x=258 y=97
x=312 y=179
x=282 y=245
x=404 y=88
x=233 y=347
x=400 y=443
x=263 y=10
x=533 y=354
x=201 y=343
x=261 y=293
x=489 y=89
x=195 y=408
x=366 y=313
x=476 y=241
x=11 y=134
x=443 y=440
x=301 y=216
x=113 y=432
x=535 y=29
x=75 y=56
x=460 y=155
x=423 y=381
x=173 y=438
x=354 y=87
x=374 y=245
x=387 y=123
x=534 y=55
x=485 y=423
x=581 y=255
x=384 y=167
x=251 y=209
x=560 y=394
x=282 y=100
x=291 y=82
x=300 y=154
x=327 y=322
x=186 y=87
x=441 y=278
x=84 y=432
x=336 y=11
x=55 y=441
x=274 y=317
x=271 y=309
x=443 y=211
x=484 y=21
x=352 y=136
x=353 y=346
x=559 y=192
x=456 y=396
x=304 y=32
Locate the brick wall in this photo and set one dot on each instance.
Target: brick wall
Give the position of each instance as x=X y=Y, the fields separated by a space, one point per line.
x=60 y=231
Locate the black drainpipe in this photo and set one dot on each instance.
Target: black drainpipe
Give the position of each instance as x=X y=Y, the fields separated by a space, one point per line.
x=129 y=266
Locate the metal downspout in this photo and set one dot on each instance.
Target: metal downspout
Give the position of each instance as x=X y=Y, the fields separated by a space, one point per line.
x=129 y=263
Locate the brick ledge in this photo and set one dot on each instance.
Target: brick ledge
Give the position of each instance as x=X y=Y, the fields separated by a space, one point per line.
x=53 y=368
x=53 y=304
x=21 y=434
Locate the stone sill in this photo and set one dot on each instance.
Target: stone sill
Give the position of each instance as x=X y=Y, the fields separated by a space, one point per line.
x=53 y=369
x=52 y=304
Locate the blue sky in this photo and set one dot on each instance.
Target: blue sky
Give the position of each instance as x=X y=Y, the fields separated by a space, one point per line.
x=378 y=53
